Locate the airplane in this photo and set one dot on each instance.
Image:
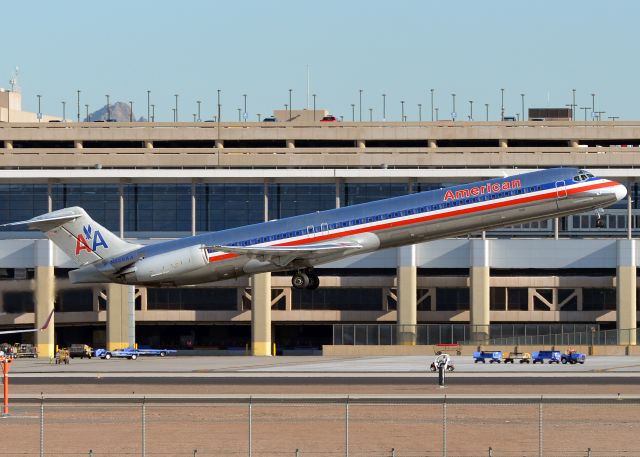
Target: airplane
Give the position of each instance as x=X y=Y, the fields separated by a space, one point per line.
x=44 y=327
x=300 y=243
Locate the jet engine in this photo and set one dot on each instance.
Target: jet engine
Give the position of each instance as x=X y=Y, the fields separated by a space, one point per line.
x=164 y=267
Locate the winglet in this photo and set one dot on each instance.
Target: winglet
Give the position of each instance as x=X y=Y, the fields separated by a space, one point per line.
x=46 y=323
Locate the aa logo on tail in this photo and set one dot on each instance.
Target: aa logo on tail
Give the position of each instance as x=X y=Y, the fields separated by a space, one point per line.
x=90 y=240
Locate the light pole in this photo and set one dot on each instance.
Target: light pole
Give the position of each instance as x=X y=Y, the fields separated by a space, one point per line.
x=108 y=109
x=176 y=120
x=502 y=104
x=402 y=110
x=522 y=96
x=174 y=114
x=245 y=107
x=39 y=111
x=437 y=116
x=573 y=105
x=130 y=111
x=194 y=117
x=431 y=104
x=471 y=110
x=419 y=112
x=239 y=110
x=219 y=106
x=370 y=114
x=64 y=111
x=78 y=100
x=258 y=115
x=86 y=107
x=585 y=108
x=199 y=118
x=360 y=107
x=353 y=112
x=148 y=106
x=486 y=108
x=453 y=111
x=153 y=112
x=290 y=90
x=314 y=107
x=593 y=103
x=384 y=107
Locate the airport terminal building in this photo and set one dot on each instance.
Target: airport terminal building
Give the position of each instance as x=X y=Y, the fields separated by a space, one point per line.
x=156 y=181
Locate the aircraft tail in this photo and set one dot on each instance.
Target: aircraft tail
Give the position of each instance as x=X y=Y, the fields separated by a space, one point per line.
x=79 y=236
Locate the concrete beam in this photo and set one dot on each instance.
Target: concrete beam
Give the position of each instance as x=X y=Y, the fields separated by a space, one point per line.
x=407 y=295
x=117 y=316
x=626 y=274
x=44 y=297
x=261 y=314
x=479 y=289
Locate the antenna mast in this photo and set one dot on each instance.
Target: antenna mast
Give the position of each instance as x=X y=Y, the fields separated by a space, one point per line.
x=14 y=81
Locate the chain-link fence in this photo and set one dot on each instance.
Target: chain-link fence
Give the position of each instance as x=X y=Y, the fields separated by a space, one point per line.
x=325 y=427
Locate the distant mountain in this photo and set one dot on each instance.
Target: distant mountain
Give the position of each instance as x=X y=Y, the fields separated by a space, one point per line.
x=118 y=111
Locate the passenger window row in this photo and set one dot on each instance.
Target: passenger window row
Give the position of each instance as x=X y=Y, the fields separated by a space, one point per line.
x=380 y=217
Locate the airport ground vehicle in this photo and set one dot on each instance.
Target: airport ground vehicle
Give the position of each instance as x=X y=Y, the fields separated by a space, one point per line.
x=442 y=359
x=483 y=356
x=573 y=357
x=62 y=356
x=329 y=118
x=541 y=356
x=126 y=353
x=25 y=351
x=511 y=357
x=80 y=350
x=155 y=352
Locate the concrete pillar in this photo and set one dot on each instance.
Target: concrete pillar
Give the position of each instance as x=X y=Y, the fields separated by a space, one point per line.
x=261 y=314
x=291 y=144
x=117 y=316
x=361 y=144
x=44 y=297
x=433 y=144
x=626 y=292
x=77 y=144
x=8 y=144
x=479 y=289
x=407 y=295
x=503 y=143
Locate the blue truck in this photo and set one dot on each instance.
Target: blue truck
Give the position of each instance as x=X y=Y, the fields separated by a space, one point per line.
x=573 y=357
x=126 y=353
x=155 y=352
x=491 y=356
x=541 y=356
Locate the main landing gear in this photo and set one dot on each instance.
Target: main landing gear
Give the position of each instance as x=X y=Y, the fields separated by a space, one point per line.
x=305 y=279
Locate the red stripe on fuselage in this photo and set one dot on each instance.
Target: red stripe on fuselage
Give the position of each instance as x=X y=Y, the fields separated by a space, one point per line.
x=388 y=225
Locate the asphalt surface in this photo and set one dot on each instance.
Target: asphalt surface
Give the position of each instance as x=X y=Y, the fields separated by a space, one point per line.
x=318 y=367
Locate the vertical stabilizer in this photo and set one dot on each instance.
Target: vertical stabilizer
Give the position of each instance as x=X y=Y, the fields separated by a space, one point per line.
x=79 y=236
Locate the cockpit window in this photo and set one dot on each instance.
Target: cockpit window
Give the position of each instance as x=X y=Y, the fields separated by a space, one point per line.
x=582 y=176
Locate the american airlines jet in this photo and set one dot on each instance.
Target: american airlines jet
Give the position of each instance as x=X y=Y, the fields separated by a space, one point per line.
x=299 y=243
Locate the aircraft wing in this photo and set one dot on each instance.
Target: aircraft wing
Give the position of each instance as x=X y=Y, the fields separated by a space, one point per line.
x=283 y=255
x=44 y=327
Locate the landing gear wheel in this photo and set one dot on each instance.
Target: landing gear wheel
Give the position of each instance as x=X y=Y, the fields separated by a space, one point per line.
x=300 y=280
x=314 y=282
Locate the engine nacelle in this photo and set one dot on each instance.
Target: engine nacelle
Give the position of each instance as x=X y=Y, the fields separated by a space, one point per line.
x=163 y=267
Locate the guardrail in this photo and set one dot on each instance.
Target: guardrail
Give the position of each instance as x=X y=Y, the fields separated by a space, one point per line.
x=429 y=334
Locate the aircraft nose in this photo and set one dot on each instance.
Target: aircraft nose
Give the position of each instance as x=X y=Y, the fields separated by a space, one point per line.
x=620 y=191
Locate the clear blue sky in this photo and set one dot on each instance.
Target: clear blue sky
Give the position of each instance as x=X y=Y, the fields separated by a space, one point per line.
x=262 y=48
